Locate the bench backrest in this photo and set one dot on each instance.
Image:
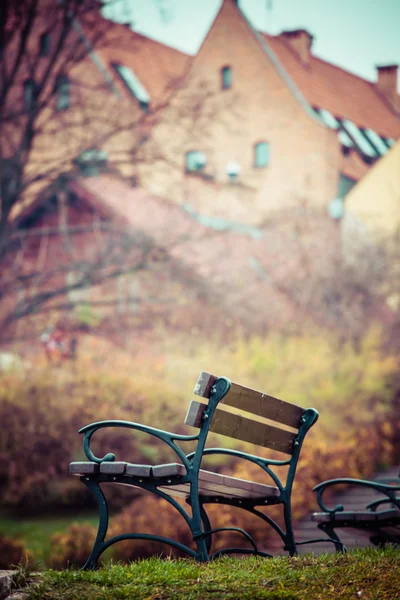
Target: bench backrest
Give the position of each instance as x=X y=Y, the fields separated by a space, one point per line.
x=279 y=436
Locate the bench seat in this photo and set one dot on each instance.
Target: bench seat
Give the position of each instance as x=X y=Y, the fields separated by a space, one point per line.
x=210 y=484
x=391 y=516
x=380 y=518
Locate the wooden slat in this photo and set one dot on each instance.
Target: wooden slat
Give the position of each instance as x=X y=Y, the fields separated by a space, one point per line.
x=239 y=427
x=392 y=514
x=252 y=401
x=138 y=470
x=113 y=468
x=169 y=470
x=215 y=484
x=195 y=413
x=356 y=516
x=83 y=468
x=204 y=384
x=247 y=430
x=320 y=517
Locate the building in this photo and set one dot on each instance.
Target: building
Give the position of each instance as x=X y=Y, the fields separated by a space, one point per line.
x=71 y=97
x=270 y=126
x=373 y=205
x=249 y=147
x=251 y=125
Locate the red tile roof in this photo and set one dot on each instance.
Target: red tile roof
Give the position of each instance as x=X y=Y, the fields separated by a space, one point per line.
x=161 y=68
x=158 y=67
x=344 y=94
x=353 y=166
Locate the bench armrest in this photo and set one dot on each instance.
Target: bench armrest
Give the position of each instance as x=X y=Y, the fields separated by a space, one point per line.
x=261 y=462
x=377 y=503
x=165 y=436
x=387 y=490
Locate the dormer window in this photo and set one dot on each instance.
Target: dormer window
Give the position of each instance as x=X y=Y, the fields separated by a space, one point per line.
x=261 y=154
x=195 y=161
x=63 y=92
x=226 y=78
x=132 y=83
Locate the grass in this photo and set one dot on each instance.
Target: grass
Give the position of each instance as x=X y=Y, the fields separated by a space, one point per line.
x=369 y=574
x=36 y=532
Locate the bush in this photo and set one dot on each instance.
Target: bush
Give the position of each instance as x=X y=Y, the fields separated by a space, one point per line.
x=12 y=552
x=41 y=414
x=72 y=548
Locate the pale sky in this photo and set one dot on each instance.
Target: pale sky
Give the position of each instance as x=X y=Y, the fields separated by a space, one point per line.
x=353 y=34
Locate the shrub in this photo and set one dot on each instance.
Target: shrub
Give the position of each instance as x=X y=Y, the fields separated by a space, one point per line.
x=12 y=552
x=41 y=414
x=72 y=548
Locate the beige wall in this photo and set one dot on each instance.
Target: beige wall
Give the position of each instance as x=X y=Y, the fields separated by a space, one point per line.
x=373 y=205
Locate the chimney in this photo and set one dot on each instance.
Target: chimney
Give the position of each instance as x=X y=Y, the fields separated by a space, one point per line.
x=301 y=41
x=387 y=76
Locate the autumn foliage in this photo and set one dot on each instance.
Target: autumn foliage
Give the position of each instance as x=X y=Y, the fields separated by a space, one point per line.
x=41 y=412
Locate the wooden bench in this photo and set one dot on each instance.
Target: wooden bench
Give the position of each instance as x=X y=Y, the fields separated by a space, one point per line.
x=269 y=422
x=380 y=518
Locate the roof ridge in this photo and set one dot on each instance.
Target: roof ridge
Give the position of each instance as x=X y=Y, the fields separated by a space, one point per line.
x=133 y=32
x=315 y=57
x=147 y=37
x=351 y=73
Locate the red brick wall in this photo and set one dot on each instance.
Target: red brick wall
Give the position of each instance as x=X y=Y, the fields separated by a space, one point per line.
x=305 y=155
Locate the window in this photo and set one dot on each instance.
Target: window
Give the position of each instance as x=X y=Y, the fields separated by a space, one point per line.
x=389 y=142
x=44 y=44
x=345 y=139
x=375 y=140
x=336 y=206
x=233 y=170
x=30 y=93
x=63 y=92
x=361 y=141
x=133 y=84
x=261 y=154
x=345 y=185
x=226 y=78
x=195 y=161
x=328 y=118
x=92 y=162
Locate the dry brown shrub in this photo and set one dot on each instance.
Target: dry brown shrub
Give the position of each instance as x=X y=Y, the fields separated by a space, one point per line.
x=72 y=548
x=12 y=552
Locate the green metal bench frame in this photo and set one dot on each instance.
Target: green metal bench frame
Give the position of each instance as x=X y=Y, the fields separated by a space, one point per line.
x=198 y=520
x=371 y=519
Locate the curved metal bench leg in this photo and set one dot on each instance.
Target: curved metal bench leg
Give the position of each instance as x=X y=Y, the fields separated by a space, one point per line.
x=382 y=538
x=290 y=542
x=98 y=548
x=328 y=529
x=207 y=527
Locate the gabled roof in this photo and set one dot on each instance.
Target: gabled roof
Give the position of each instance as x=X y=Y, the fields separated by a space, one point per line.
x=344 y=94
x=159 y=68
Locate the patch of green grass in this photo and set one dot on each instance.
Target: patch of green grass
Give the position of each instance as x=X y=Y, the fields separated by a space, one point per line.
x=36 y=532
x=370 y=574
